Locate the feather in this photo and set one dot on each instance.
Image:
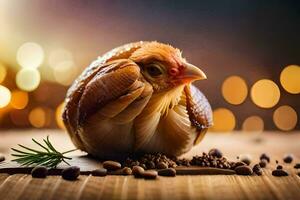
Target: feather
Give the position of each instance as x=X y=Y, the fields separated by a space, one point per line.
x=114 y=109
x=156 y=111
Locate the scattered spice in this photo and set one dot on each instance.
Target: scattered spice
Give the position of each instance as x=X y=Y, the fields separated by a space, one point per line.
x=183 y=162
x=237 y=164
x=161 y=165
x=112 y=165
x=137 y=171
x=279 y=167
x=263 y=163
x=257 y=169
x=143 y=167
x=279 y=172
x=243 y=170
x=288 y=158
x=71 y=173
x=297 y=166
x=245 y=158
x=214 y=160
x=167 y=172
x=99 y=172
x=207 y=160
x=151 y=161
x=150 y=165
x=126 y=171
x=265 y=157
x=150 y=174
x=215 y=152
x=39 y=172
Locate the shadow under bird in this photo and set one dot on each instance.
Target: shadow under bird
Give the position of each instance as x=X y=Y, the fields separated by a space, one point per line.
x=137 y=98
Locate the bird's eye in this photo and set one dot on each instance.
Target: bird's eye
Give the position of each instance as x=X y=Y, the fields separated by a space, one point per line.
x=154 y=70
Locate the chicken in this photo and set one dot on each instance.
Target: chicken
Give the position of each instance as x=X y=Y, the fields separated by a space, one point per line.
x=137 y=98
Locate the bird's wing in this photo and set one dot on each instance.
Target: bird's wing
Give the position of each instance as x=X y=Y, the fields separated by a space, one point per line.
x=122 y=52
x=199 y=111
x=120 y=82
x=117 y=91
x=70 y=113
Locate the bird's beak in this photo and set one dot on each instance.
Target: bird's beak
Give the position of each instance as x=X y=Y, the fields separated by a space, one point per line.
x=192 y=73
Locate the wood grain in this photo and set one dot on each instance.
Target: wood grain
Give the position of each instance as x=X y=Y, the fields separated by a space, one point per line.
x=22 y=186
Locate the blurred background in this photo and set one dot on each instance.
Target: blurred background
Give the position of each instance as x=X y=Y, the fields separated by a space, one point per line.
x=250 y=51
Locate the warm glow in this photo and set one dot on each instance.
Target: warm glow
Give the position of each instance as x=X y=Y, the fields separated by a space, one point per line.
x=290 y=79
x=37 y=117
x=285 y=118
x=224 y=120
x=234 y=90
x=19 y=117
x=49 y=116
x=58 y=115
x=253 y=124
x=5 y=96
x=3 y=73
x=28 y=79
x=19 y=99
x=30 y=55
x=265 y=93
x=65 y=72
x=59 y=56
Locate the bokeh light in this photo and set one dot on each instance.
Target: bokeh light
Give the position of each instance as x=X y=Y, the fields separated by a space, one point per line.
x=234 y=90
x=59 y=56
x=58 y=116
x=253 y=124
x=19 y=99
x=265 y=93
x=30 y=55
x=37 y=117
x=41 y=56
x=65 y=72
x=224 y=120
x=3 y=72
x=285 y=118
x=5 y=96
x=28 y=79
x=49 y=116
x=290 y=79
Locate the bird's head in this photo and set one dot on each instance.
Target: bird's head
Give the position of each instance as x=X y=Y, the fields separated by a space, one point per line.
x=164 y=67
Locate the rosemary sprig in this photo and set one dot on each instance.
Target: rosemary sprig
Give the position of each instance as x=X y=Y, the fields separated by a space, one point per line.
x=48 y=157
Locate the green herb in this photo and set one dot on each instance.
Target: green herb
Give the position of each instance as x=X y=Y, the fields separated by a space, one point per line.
x=48 y=157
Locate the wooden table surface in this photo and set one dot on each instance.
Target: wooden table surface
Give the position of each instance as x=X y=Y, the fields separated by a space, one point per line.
x=22 y=186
